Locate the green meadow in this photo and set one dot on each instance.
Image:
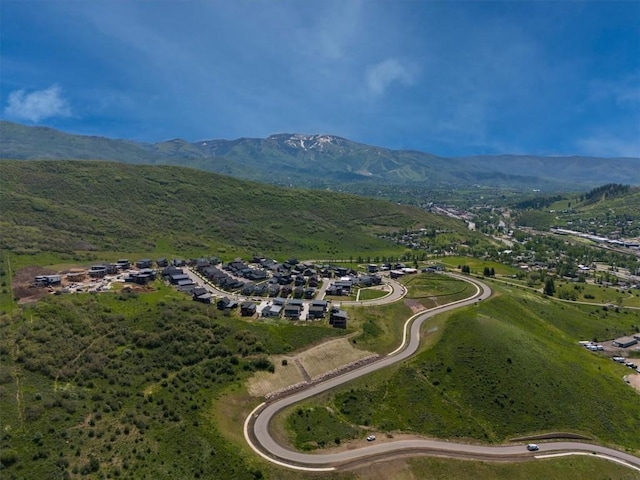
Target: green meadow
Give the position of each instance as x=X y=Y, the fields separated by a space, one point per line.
x=506 y=367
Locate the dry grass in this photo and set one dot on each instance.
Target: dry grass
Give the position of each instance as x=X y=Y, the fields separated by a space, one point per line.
x=329 y=356
x=315 y=361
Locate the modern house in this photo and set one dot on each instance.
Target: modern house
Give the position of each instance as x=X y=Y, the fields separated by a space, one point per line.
x=144 y=263
x=47 y=280
x=316 y=312
x=625 y=342
x=226 y=304
x=98 y=271
x=247 y=309
x=338 y=318
x=292 y=311
x=272 y=311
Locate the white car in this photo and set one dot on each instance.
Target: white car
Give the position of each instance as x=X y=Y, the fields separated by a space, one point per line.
x=371 y=438
x=532 y=447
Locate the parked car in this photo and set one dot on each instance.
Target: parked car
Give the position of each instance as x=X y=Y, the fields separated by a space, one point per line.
x=532 y=447
x=371 y=438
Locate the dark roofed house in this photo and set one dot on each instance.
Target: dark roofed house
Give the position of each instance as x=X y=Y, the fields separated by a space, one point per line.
x=320 y=303
x=176 y=278
x=144 y=263
x=273 y=290
x=247 y=309
x=338 y=318
x=123 y=264
x=202 y=263
x=97 y=271
x=285 y=291
x=169 y=271
x=162 y=262
x=309 y=293
x=247 y=289
x=316 y=312
x=226 y=304
x=112 y=268
x=204 y=298
x=141 y=277
x=257 y=275
x=292 y=311
x=197 y=291
x=272 y=312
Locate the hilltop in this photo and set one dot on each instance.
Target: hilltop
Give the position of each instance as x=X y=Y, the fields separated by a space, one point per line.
x=324 y=161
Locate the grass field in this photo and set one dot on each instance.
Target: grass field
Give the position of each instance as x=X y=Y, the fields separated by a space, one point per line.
x=477 y=265
x=432 y=289
x=371 y=293
x=508 y=366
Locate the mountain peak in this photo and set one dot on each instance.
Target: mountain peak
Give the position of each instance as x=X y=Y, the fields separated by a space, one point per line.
x=306 y=142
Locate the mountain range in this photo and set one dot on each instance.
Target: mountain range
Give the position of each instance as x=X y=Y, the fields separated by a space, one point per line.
x=324 y=161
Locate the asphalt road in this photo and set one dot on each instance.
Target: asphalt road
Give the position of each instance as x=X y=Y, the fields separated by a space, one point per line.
x=257 y=431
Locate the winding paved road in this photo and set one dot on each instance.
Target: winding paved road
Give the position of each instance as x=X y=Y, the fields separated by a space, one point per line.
x=258 y=436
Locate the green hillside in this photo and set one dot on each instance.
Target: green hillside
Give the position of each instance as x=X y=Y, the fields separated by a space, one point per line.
x=67 y=206
x=508 y=367
x=125 y=385
x=611 y=208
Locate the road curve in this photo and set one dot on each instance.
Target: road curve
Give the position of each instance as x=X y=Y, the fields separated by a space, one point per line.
x=258 y=436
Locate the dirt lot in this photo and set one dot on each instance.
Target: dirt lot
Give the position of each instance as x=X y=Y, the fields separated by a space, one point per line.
x=21 y=284
x=305 y=366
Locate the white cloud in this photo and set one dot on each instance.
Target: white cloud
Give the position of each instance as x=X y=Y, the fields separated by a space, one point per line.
x=381 y=75
x=37 y=105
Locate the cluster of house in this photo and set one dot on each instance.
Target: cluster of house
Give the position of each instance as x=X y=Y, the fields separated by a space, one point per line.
x=317 y=310
x=272 y=279
x=345 y=284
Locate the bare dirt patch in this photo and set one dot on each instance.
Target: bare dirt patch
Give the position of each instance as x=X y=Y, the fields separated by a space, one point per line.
x=22 y=280
x=414 y=305
x=634 y=381
x=305 y=366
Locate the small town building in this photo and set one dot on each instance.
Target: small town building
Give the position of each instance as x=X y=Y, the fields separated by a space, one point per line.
x=624 y=342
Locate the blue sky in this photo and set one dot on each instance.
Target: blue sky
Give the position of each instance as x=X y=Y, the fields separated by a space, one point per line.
x=450 y=78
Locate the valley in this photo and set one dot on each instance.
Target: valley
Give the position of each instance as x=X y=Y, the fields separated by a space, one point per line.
x=109 y=382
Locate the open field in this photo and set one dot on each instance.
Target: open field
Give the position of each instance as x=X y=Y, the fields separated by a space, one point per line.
x=372 y=293
x=476 y=265
x=432 y=289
